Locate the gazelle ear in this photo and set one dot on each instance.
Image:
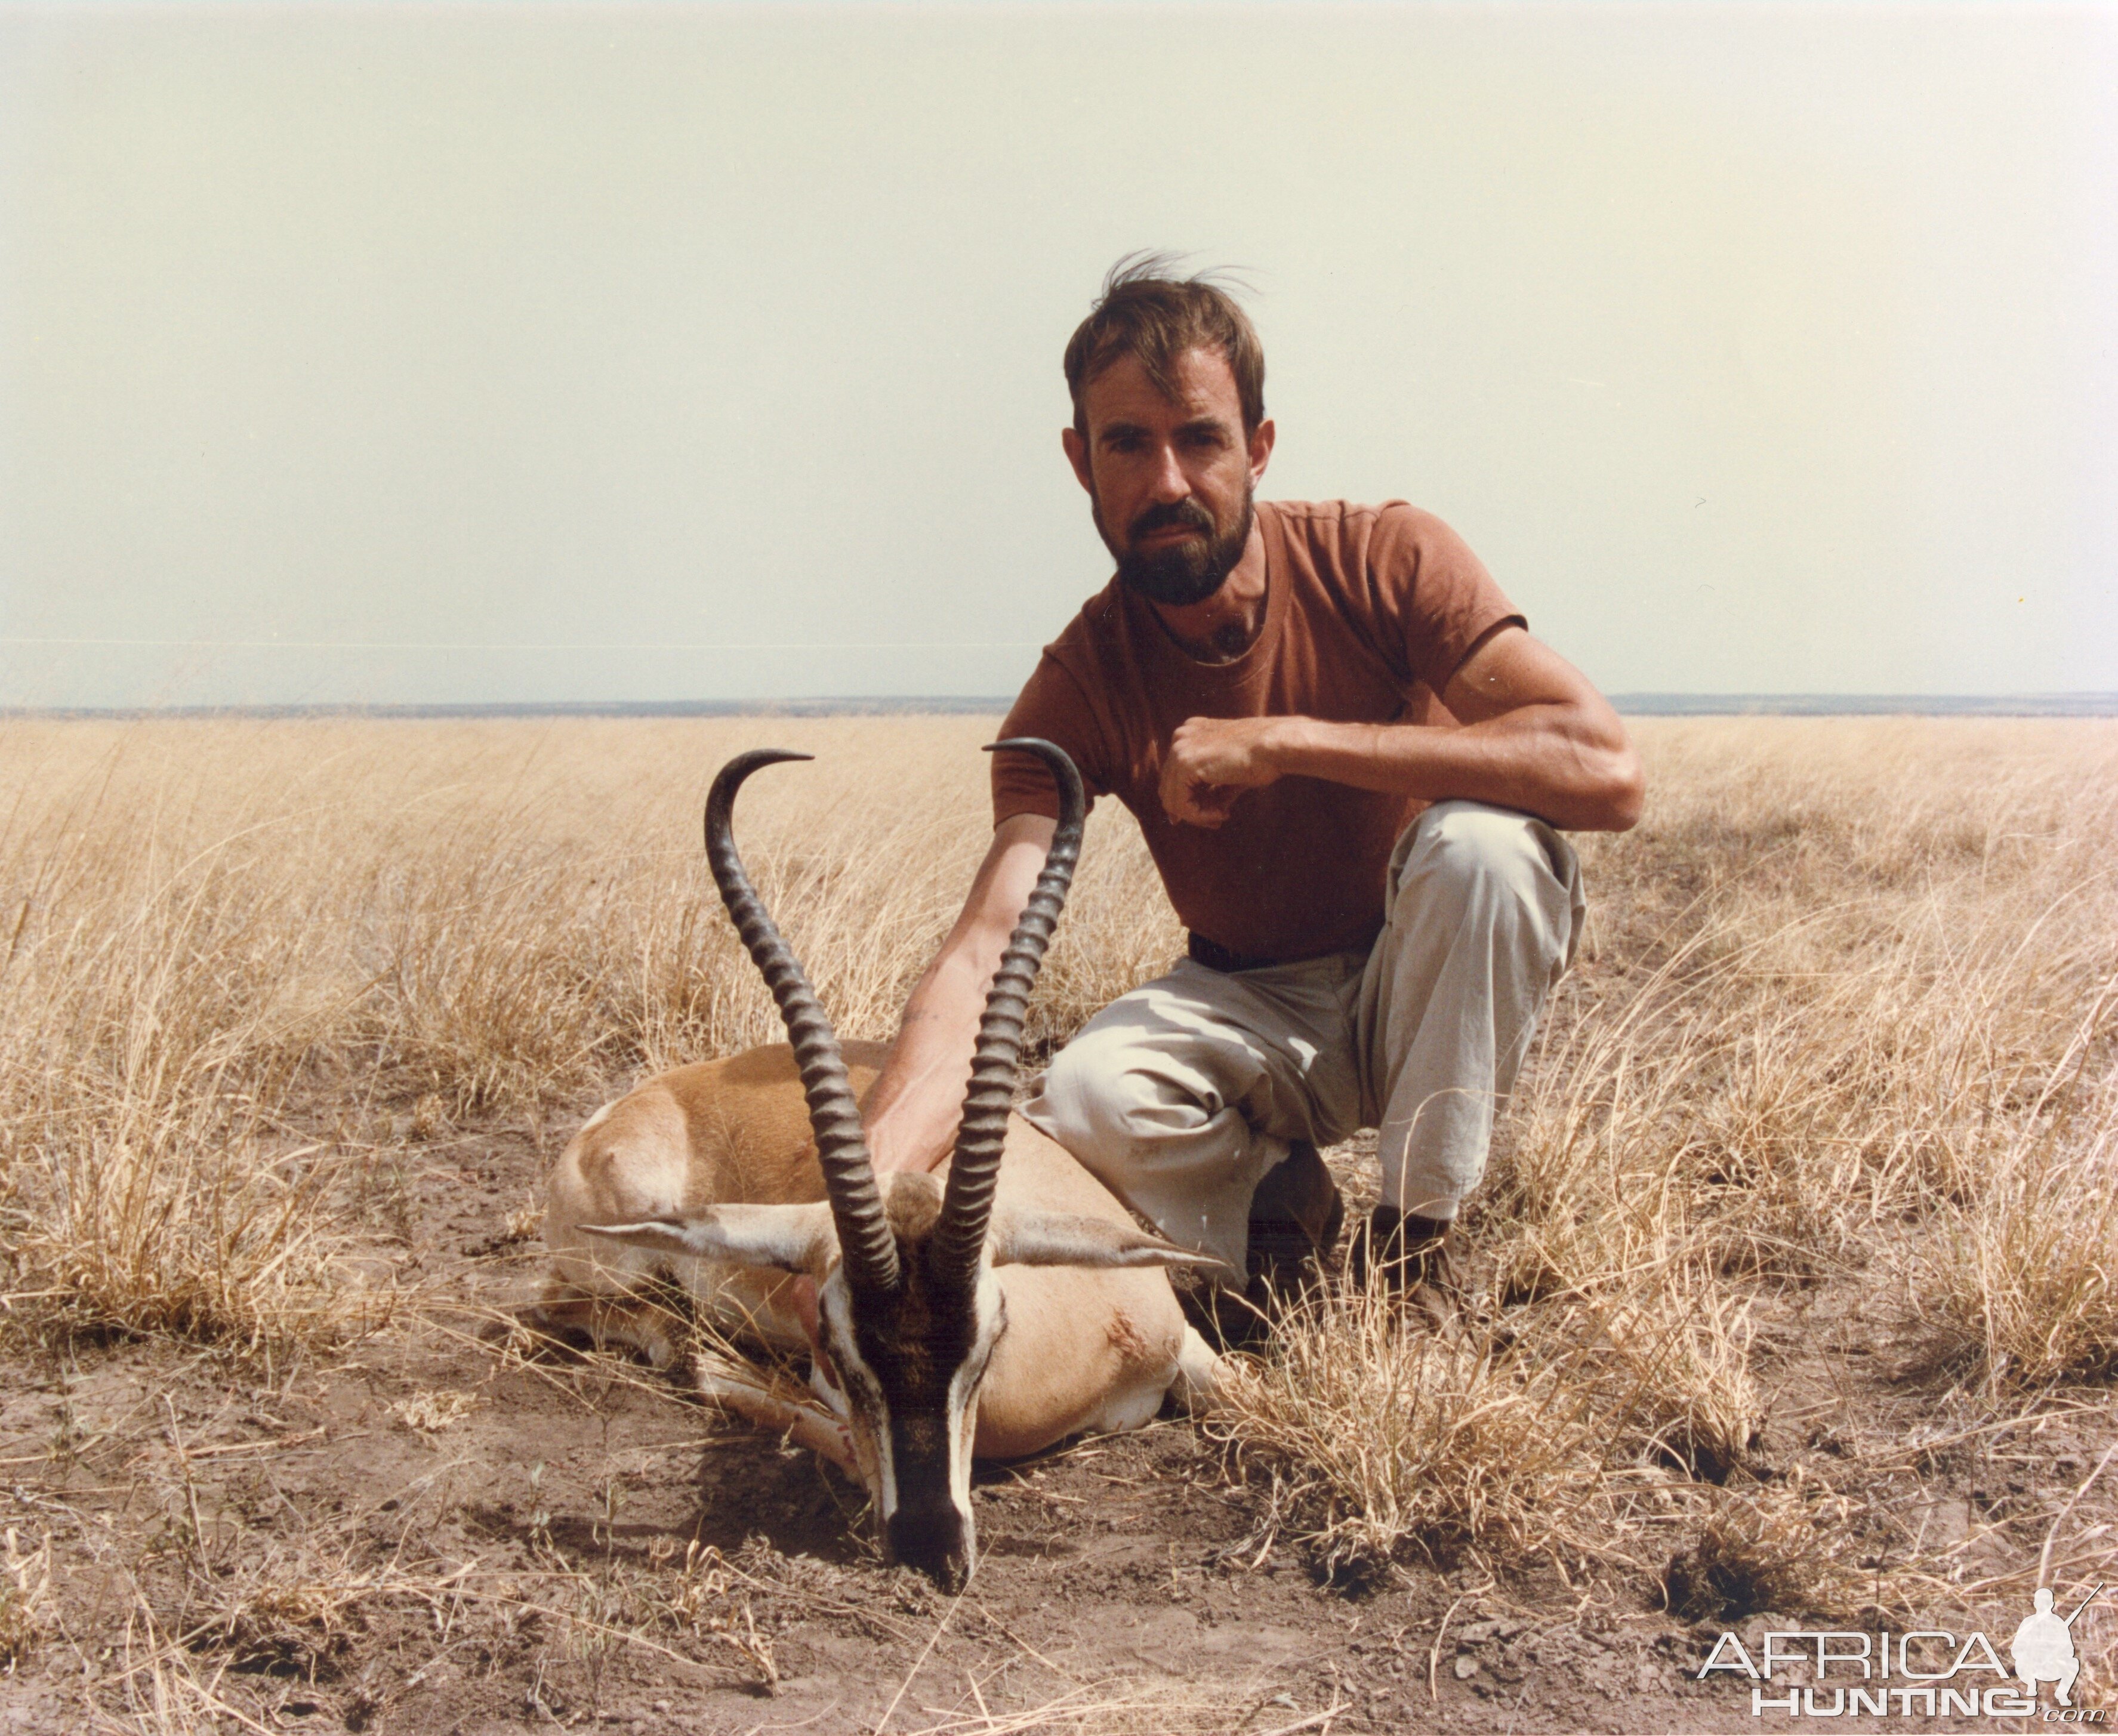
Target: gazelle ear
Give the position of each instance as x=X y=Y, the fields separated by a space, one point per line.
x=1070 y=1238
x=793 y=1239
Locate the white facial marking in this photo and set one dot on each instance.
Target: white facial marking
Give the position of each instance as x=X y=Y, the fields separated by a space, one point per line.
x=866 y=1410
x=991 y=1321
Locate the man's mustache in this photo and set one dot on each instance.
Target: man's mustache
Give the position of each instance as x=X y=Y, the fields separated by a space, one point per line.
x=1187 y=514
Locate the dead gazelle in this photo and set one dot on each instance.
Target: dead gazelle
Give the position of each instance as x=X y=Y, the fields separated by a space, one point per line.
x=994 y=1313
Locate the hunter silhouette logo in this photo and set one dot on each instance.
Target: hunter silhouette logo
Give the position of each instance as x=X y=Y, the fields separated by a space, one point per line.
x=2043 y=1646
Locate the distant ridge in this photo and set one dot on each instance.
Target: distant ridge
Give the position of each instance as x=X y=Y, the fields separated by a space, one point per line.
x=1633 y=705
x=915 y=707
x=1866 y=705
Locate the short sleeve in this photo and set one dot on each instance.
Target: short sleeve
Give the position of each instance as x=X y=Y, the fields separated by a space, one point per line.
x=1050 y=706
x=1434 y=595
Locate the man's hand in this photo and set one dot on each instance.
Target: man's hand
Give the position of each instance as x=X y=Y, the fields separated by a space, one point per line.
x=1213 y=760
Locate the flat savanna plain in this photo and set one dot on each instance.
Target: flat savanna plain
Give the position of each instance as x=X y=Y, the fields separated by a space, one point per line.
x=1796 y=1273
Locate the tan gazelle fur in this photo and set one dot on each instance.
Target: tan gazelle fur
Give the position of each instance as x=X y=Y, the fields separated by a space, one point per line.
x=992 y=1309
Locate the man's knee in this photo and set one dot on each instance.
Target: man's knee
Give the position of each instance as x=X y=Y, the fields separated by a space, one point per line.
x=1480 y=853
x=1100 y=1097
x=1076 y=1090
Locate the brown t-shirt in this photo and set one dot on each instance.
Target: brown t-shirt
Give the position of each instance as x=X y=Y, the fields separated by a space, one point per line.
x=1369 y=612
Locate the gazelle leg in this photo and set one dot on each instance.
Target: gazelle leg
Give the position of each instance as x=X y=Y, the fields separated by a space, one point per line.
x=806 y=1425
x=1200 y=1374
x=606 y=1320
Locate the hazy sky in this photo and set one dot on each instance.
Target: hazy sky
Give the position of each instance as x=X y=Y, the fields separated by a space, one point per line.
x=479 y=353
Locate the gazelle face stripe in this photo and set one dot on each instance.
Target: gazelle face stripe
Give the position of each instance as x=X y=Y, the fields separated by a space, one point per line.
x=963 y=1399
x=913 y=1418
x=867 y=1412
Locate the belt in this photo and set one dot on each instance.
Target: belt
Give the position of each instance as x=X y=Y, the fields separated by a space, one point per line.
x=1215 y=956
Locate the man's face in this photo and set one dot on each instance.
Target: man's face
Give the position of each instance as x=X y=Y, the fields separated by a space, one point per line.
x=1170 y=479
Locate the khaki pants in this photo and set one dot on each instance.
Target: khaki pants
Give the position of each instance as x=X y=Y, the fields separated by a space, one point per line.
x=1180 y=1095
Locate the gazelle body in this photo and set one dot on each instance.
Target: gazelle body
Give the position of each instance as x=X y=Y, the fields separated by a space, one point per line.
x=992 y=1308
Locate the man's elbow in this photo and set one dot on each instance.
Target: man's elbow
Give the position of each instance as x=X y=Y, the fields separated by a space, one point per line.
x=1621 y=793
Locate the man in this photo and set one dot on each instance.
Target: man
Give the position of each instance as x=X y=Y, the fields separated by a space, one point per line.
x=1348 y=758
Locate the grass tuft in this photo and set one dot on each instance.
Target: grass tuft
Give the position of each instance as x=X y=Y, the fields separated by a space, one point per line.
x=1377 y=1440
x=1781 y=1549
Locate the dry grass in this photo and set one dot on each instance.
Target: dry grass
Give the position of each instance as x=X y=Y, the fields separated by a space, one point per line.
x=25 y=1596
x=1376 y=1440
x=209 y=930
x=2023 y=1282
x=1535 y=1433
x=1779 y=1548
x=1849 y=1005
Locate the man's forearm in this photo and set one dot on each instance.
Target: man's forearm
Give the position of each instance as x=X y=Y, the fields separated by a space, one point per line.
x=914 y=1107
x=1551 y=761
x=1535 y=737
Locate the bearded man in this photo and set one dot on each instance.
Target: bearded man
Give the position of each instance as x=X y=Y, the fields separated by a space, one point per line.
x=1352 y=764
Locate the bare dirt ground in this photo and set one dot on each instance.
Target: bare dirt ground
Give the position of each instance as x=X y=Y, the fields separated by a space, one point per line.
x=525 y=1543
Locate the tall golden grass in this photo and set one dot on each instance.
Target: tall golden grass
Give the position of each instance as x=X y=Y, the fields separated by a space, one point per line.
x=1847 y=1005
x=1847 y=1011
x=223 y=942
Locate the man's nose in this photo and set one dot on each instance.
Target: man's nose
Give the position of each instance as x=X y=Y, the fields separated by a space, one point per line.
x=1171 y=483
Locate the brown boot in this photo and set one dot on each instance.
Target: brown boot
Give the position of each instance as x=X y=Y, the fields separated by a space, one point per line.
x=1407 y=1258
x=1295 y=1215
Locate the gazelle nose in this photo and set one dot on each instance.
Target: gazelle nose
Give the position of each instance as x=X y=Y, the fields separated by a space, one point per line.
x=936 y=1540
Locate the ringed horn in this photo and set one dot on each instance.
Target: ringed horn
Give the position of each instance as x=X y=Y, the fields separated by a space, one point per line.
x=866 y=1245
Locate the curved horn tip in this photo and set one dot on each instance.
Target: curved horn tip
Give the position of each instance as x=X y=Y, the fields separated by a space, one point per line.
x=758 y=756
x=731 y=777
x=1073 y=793
x=1056 y=759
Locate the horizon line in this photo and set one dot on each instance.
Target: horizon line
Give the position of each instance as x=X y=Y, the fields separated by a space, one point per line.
x=2073 y=704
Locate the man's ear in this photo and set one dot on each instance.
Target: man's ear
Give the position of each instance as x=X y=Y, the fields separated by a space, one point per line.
x=793 y=1239
x=1260 y=449
x=1077 y=454
x=1069 y=1238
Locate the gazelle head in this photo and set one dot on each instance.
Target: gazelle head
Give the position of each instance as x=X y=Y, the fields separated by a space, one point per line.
x=909 y=1311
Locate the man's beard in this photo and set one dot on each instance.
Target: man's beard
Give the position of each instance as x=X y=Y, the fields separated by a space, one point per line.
x=1185 y=572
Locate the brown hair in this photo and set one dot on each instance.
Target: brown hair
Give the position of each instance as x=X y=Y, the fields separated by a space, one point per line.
x=1147 y=313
